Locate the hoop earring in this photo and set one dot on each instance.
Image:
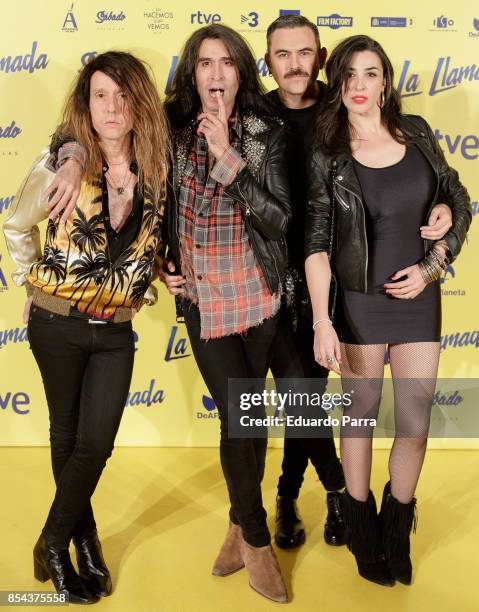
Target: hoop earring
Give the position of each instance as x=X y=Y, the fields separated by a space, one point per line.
x=383 y=99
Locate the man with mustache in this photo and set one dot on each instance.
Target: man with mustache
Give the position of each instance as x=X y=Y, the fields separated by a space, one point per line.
x=294 y=58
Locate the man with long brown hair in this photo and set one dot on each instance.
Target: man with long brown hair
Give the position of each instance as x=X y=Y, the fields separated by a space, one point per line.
x=84 y=289
x=227 y=217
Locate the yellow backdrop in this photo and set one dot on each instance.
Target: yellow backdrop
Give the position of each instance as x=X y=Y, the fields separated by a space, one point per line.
x=42 y=47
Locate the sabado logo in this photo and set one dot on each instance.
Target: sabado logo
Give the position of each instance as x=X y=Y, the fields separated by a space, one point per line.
x=103 y=16
x=11 y=131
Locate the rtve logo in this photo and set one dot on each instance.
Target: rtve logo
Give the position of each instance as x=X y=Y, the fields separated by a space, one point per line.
x=205 y=18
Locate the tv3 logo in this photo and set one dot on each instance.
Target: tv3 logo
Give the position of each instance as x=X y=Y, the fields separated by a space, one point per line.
x=252 y=19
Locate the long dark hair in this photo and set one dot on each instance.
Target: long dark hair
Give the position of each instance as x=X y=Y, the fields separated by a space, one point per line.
x=150 y=144
x=183 y=102
x=332 y=125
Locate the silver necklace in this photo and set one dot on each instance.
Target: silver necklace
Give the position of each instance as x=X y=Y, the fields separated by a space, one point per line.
x=124 y=185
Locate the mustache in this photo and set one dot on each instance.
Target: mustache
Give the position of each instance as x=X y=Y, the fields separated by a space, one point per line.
x=296 y=72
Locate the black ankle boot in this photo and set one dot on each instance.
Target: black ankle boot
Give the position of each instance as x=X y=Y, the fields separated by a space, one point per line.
x=334 y=528
x=397 y=520
x=55 y=563
x=289 y=532
x=364 y=539
x=91 y=564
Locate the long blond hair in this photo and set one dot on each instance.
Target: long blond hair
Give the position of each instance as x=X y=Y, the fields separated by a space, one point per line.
x=150 y=143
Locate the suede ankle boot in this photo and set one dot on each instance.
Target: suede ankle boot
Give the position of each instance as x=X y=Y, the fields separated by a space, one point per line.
x=264 y=573
x=229 y=559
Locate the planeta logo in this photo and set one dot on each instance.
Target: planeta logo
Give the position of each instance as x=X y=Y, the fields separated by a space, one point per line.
x=446 y=290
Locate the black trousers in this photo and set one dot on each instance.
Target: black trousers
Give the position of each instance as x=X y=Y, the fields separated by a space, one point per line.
x=242 y=460
x=86 y=371
x=293 y=357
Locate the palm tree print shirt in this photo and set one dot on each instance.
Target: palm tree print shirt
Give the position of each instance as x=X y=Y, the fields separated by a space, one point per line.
x=81 y=262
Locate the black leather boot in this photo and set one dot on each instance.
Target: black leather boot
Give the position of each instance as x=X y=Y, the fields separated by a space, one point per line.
x=364 y=539
x=55 y=563
x=289 y=532
x=397 y=520
x=334 y=528
x=91 y=564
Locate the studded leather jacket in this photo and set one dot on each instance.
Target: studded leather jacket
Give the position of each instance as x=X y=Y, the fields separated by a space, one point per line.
x=261 y=188
x=333 y=177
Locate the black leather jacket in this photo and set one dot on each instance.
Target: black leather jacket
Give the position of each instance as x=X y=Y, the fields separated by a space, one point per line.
x=261 y=188
x=350 y=250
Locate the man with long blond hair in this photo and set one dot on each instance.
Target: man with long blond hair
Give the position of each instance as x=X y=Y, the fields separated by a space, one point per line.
x=83 y=292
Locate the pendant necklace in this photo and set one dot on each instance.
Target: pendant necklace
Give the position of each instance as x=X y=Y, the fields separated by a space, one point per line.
x=124 y=185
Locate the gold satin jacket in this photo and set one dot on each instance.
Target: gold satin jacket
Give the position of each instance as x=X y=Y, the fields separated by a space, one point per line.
x=75 y=264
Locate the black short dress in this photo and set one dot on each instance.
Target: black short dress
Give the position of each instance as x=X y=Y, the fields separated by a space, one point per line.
x=396 y=202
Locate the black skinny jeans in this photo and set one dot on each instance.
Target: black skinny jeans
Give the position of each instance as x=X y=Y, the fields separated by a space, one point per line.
x=293 y=357
x=243 y=460
x=86 y=371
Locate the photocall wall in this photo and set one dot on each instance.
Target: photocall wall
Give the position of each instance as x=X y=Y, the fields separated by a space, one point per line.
x=435 y=51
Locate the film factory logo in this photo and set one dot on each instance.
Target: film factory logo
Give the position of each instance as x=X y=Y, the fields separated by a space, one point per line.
x=334 y=21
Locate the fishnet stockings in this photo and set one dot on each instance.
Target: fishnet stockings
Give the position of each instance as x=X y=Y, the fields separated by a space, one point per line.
x=414 y=371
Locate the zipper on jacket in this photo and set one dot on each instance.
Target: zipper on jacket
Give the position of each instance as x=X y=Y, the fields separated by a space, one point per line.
x=255 y=245
x=338 y=184
x=346 y=207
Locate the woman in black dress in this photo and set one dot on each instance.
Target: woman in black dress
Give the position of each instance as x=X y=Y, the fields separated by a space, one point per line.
x=375 y=176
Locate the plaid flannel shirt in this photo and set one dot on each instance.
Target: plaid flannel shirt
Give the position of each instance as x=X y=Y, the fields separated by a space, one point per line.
x=222 y=275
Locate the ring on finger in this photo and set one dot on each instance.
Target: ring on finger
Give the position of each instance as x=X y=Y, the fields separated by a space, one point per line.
x=330 y=359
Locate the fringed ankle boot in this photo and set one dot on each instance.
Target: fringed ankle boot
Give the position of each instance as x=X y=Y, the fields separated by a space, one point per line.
x=397 y=521
x=364 y=539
